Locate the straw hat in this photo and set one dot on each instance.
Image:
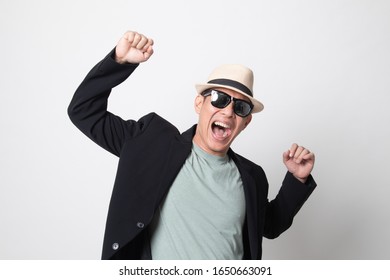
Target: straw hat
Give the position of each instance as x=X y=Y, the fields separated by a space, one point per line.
x=235 y=77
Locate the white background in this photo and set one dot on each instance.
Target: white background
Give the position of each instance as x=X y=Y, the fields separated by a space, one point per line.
x=322 y=70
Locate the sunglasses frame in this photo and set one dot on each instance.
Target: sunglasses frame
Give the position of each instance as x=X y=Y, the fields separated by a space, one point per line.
x=209 y=92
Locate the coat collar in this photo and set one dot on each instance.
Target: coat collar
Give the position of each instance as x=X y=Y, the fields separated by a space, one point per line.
x=189 y=134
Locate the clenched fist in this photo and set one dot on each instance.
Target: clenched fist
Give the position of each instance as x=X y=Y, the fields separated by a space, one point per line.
x=133 y=47
x=299 y=161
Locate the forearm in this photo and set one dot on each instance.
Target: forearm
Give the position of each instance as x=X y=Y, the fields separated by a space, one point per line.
x=88 y=107
x=91 y=96
x=291 y=197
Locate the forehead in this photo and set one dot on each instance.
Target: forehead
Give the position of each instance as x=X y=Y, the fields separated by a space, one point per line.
x=233 y=93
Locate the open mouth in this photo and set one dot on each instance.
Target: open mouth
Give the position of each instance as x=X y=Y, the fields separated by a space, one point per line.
x=221 y=130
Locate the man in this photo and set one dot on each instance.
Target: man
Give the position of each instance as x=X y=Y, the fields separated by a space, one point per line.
x=186 y=196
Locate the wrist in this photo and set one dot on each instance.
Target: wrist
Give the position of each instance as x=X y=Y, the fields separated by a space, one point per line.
x=302 y=180
x=119 y=60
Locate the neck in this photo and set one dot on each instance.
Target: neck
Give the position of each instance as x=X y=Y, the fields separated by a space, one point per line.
x=198 y=140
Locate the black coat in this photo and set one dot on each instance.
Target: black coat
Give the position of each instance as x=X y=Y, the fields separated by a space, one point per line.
x=152 y=152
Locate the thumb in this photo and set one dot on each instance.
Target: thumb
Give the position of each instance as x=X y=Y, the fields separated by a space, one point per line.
x=148 y=53
x=286 y=156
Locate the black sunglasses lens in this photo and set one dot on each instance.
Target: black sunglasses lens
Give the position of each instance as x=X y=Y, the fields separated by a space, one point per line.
x=220 y=99
x=242 y=108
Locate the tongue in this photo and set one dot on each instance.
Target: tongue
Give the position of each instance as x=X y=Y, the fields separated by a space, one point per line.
x=220 y=132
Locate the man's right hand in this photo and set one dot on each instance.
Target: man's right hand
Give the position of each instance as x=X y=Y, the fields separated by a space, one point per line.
x=133 y=47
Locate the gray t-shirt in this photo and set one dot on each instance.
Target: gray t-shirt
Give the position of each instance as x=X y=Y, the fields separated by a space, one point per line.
x=203 y=213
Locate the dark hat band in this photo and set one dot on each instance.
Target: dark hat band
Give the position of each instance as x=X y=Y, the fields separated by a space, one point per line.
x=232 y=83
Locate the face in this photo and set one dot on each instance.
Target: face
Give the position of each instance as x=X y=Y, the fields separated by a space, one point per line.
x=217 y=128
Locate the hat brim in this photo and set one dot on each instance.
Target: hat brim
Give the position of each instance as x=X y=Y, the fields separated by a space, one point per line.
x=257 y=105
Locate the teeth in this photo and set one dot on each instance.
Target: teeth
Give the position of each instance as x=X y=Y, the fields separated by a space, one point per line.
x=222 y=124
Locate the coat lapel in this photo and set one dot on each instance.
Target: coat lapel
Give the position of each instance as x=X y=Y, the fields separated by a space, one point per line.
x=250 y=202
x=178 y=151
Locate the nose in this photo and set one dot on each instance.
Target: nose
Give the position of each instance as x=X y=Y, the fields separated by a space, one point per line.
x=228 y=110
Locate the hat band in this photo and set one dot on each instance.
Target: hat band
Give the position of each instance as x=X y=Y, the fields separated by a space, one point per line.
x=232 y=83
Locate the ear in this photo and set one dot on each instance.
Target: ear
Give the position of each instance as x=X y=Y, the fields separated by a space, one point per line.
x=247 y=121
x=198 y=103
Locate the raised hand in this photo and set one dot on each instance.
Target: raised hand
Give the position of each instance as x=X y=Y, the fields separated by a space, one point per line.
x=299 y=161
x=133 y=47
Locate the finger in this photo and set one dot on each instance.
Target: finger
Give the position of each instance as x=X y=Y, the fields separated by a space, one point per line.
x=129 y=36
x=300 y=154
x=149 y=43
x=293 y=148
x=297 y=155
x=309 y=156
x=142 y=43
x=286 y=156
x=148 y=53
x=137 y=38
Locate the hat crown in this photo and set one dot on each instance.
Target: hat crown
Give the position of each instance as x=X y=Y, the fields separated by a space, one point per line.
x=236 y=73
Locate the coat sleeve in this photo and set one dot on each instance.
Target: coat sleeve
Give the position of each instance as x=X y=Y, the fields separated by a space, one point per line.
x=88 y=107
x=280 y=211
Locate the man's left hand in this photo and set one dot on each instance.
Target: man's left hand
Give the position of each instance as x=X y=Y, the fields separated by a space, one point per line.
x=299 y=161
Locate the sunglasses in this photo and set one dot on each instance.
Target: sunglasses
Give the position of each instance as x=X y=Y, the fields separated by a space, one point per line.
x=221 y=100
